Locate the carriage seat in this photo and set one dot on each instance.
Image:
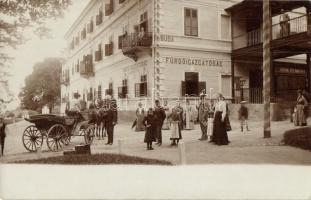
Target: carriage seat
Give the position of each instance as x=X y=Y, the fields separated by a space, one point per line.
x=69 y=121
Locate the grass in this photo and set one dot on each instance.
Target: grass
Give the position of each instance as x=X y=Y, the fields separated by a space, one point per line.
x=300 y=138
x=96 y=159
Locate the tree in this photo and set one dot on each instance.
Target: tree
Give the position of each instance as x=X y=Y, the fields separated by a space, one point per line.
x=42 y=87
x=18 y=15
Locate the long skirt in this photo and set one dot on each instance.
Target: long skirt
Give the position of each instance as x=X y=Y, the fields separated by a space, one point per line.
x=300 y=115
x=150 y=135
x=220 y=136
x=210 y=124
x=166 y=124
x=139 y=125
x=175 y=130
x=189 y=122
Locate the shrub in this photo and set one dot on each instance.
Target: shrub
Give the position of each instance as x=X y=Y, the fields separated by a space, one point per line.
x=97 y=159
x=298 y=138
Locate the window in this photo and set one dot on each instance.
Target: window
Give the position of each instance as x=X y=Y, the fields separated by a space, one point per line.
x=141 y=88
x=191 y=86
x=90 y=27
x=122 y=91
x=99 y=53
x=225 y=27
x=99 y=92
x=109 y=49
x=109 y=91
x=99 y=18
x=191 y=22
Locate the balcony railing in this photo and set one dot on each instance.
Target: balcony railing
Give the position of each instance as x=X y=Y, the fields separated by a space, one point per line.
x=251 y=38
x=290 y=27
x=135 y=42
x=281 y=30
x=251 y=95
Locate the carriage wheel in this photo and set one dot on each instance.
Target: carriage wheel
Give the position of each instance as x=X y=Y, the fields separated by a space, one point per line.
x=89 y=135
x=32 y=138
x=57 y=137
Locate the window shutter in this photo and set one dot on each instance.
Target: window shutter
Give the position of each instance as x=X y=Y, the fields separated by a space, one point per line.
x=183 y=88
x=137 y=89
x=202 y=86
x=107 y=49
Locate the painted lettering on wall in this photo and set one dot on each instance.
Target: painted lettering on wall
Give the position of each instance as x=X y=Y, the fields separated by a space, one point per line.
x=194 y=61
x=167 y=38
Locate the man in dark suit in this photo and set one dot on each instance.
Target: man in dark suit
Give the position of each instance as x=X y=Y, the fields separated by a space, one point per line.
x=160 y=116
x=111 y=120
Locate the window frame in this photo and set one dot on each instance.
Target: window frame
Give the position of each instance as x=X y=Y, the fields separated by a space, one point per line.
x=184 y=20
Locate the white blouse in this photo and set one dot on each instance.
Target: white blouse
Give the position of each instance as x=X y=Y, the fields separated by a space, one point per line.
x=221 y=106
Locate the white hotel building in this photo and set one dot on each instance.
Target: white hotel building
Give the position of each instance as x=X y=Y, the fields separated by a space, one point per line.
x=186 y=48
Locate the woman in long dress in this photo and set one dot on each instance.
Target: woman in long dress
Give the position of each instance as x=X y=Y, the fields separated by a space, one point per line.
x=175 y=118
x=188 y=117
x=300 y=114
x=220 y=136
x=140 y=114
x=166 y=123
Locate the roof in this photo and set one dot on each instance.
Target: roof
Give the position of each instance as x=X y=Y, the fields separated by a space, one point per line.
x=80 y=17
x=277 y=6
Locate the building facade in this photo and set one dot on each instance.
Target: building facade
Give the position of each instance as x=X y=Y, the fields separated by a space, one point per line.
x=139 y=50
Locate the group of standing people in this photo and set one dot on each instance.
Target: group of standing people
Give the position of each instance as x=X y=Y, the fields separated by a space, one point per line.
x=213 y=120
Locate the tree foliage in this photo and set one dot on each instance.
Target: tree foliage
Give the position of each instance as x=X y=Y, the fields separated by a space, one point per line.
x=17 y=15
x=44 y=81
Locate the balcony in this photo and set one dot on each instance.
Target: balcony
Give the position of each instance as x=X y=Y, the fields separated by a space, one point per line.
x=292 y=27
x=136 y=42
x=86 y=67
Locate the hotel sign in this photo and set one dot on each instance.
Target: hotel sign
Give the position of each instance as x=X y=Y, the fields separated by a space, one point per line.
x=193 y=61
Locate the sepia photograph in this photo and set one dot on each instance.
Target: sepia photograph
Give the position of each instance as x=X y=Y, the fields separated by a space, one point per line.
x=155 y=99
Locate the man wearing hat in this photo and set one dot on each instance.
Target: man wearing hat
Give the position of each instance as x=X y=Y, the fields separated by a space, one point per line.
x=2 y=134
x=203 y=116
x=111 y=118
x=243 y=115
x=160 y=116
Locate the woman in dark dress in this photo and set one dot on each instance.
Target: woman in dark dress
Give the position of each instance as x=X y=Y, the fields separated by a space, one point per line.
x=149 y=122
x=2 y=134
x=220 y=136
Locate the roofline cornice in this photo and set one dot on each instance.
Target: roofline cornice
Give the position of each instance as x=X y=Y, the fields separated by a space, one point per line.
x=88 y=7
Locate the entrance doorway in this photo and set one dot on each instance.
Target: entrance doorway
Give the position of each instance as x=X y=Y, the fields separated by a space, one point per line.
x=192 y=86
x=255 y=86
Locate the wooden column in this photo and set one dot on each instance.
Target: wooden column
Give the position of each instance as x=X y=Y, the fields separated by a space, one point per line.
x=232 y=80
x=266 y=66
x=308 y=8
x=309 y=72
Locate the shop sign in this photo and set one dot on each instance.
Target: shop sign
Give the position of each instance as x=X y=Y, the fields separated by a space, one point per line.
x=193 y=61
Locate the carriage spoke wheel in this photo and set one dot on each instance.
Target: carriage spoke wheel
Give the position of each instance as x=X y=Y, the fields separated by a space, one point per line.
x=57 y=137
x=89 y=135
x=32 y=138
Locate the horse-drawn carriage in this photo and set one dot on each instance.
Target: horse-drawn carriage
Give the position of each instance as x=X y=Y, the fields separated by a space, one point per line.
x=57 y=130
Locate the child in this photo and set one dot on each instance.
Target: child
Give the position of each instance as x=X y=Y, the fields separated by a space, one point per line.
x=149 y=122
x=243 y=115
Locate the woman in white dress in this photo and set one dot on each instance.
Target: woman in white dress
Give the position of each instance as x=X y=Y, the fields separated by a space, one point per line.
x=188 y=117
